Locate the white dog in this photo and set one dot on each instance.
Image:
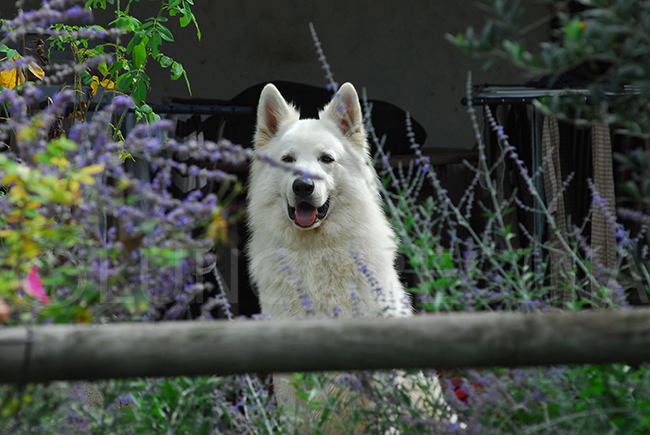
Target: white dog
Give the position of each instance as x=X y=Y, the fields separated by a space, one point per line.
x=319 y=221
x=320 y=242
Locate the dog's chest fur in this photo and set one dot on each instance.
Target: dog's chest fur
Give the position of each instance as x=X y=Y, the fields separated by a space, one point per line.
x=316 y=282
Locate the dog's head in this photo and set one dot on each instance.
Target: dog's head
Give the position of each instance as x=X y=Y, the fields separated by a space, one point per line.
x=326 y=154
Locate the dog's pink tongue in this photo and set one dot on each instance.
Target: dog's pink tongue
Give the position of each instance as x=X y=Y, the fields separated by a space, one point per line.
x=306 y=217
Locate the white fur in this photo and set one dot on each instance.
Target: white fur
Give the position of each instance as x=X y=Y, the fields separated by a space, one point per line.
x=321 y=256
x=319 y=259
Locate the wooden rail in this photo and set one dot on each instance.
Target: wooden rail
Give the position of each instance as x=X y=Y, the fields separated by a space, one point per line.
x=71 y=352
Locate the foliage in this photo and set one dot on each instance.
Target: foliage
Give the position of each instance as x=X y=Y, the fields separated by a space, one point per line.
x=174 y=405
x=601 y=46
x=102 y=243
x=143 y=41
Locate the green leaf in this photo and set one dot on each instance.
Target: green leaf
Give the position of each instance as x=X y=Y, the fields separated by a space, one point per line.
x=11 y=53
x=573 y=29
x=86 y=78
x=137 y=39
x=164 y=33
x=64 y=144
x=97 y=3
x=150 y=22
x=189 y=13
x=154 y=42
x=185 y=20
x=630 y=188
x=145 y=108
x=121 y=23
x=139 y=92
x=177 y=70
x=124 y=82
x=102 y=68
x=139 y=55
x=115 y=67
x=166 y=61
x=446 y=262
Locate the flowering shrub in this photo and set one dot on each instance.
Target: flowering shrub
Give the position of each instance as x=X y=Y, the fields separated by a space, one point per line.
x=102 y=243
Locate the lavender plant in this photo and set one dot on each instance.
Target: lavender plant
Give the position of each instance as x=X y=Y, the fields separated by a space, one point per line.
x=95 y=232
x=466 y=264
x=102 y=243
x=84 y=240
x=482 y=269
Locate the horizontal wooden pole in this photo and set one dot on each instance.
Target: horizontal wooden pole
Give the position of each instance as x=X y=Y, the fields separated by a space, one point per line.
x=73 y=352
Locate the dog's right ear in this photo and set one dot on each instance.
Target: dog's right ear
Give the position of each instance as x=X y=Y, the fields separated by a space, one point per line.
x=272 y=112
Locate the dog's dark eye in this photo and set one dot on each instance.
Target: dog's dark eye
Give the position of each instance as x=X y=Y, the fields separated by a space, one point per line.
x=288 y=159
x=326 y=158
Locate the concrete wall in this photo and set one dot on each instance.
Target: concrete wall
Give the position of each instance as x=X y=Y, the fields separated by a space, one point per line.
x=396 y=50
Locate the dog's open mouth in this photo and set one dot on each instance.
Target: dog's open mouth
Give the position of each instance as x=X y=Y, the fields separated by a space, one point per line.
x=306 y=215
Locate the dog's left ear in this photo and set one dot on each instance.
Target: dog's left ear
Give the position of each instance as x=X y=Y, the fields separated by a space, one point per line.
x=345 y=111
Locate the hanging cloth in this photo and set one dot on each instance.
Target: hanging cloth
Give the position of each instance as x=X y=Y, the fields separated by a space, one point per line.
x=603 y=239
x=560 y=269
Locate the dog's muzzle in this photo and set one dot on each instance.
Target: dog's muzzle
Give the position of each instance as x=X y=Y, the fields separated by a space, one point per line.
x=304 y=214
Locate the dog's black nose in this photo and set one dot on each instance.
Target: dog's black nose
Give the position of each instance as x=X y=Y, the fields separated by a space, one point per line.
x=303 y=187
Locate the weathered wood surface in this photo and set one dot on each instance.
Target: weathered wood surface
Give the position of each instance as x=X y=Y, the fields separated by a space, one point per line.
x=69 y=352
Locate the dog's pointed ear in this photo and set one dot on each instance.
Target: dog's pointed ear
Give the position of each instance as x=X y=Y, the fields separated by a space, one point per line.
x=272 y=111
x=345 y=111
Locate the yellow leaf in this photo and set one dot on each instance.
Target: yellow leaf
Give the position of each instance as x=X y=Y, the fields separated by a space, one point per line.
x=52 y=182
x=31 y=248
x=61 y=162
x=27 y=133
x=123 y=183
x=218 y=228
x=6 y=233
x=65 y=197
x=40 y=221
x=74 y=186
x=92 y=169
x=33 y=205
x=11 y=78
x=108 y=84
x=85 y=179
x=10 y=178
x=18 y=191
x=8 y=78
x=94 y=84
x=126 y=155
x=36 y=70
